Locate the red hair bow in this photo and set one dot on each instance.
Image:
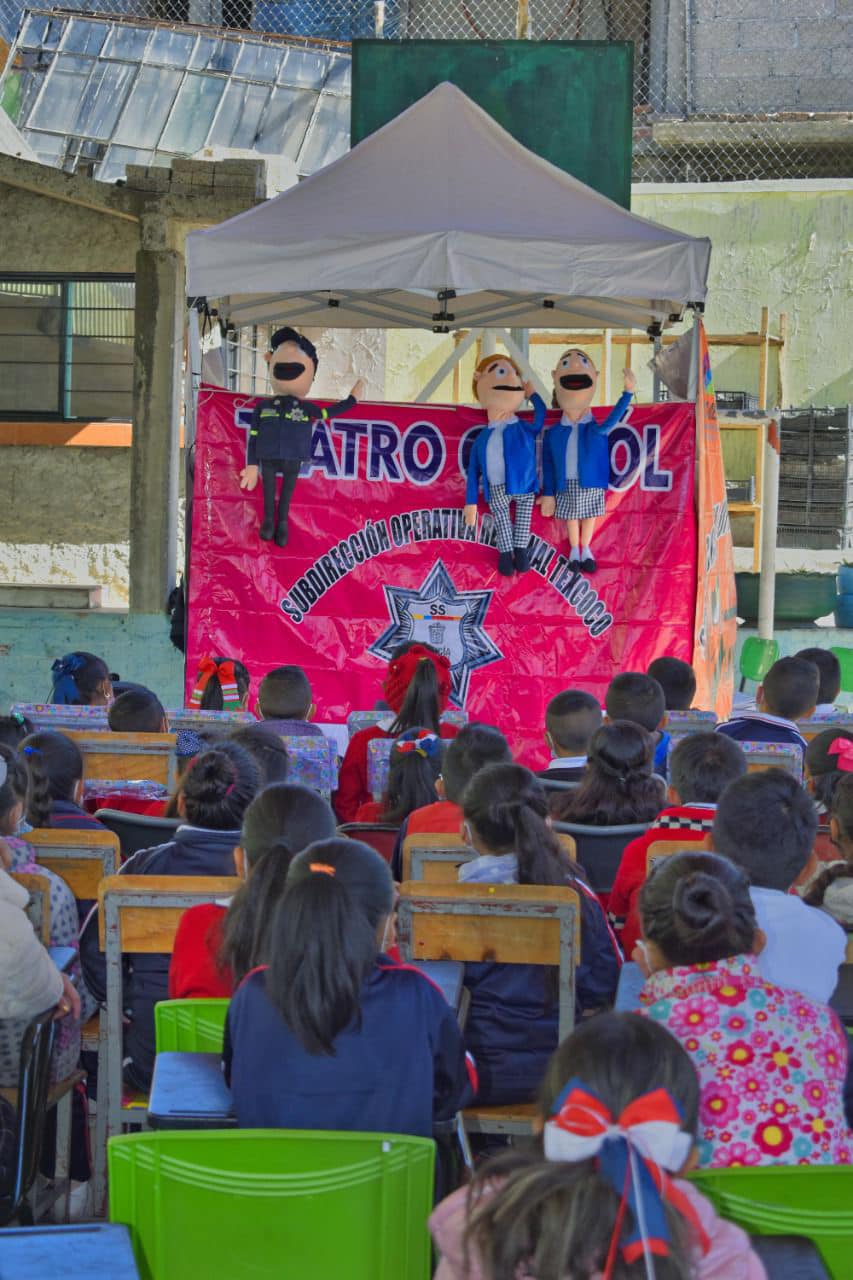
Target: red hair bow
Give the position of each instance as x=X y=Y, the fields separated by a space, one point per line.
x=402 y=670
x=843 y=749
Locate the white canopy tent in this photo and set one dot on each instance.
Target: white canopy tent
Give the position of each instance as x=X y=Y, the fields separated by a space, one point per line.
x=441 y=220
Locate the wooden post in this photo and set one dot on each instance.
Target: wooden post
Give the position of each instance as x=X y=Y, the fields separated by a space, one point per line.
x=763 y=357
x=758 y=522
x=522 y=21
x=783 y=356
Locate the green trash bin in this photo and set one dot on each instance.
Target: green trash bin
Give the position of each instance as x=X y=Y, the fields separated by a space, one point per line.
x=815 y=1201
x=246 y=1204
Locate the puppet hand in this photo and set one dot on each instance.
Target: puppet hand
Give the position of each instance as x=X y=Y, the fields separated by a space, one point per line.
x=548 y=505
x=357 y=392
x=630 y=380
x=248 y=478
x=529 y=389
x=469 y=514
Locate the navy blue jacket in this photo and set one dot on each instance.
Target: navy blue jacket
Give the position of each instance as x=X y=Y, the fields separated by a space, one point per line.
x=282 y=427
x=593 y=450
x=758 y=727
x=398 y=1070
x=519 y=442
x=512 y=1026
x=194 y=851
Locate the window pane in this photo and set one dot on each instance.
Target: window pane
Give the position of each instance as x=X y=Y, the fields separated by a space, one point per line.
x=329 y=135
x=147 y=107
x=49 y=147
x=103 y=99
x=214 y=55
x=63 y=86
x=304 y=67
x=84 y=37
x=116 y=161
x=30 y=327
x=126 y=42
x=285 y=121
x=170 y=48
x=258 y=62
x=192 y=114
x=240 y=114
x=340 y=76
x=97 y=403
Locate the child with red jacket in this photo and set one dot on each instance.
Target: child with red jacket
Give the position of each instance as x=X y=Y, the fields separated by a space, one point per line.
x=701 y=767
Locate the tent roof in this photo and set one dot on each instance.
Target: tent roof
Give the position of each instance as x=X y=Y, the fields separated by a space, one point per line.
x=443 y=199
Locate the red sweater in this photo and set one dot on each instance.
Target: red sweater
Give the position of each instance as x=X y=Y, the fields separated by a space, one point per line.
x=443 y=817
x=690 y=823
x=194 y=971
x=353 y=790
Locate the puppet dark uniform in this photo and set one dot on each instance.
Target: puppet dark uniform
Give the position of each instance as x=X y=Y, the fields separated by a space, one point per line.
x=279 y=442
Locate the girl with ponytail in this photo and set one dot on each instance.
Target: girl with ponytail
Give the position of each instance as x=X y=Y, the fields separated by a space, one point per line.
x=599 y=1195
x=218 y=943
x=413 y=771
x=417 y=689
x=618 y=786
x=512 y=1021
x=331 y=1034
x=55 y=769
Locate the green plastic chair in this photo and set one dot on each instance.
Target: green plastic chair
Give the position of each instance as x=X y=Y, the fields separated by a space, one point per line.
x=845 y=657
x=190 y=1026
x=815 y=1201
x=246 y=1204
x=756 y=659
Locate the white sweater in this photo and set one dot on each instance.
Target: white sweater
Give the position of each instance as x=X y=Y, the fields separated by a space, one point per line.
x=29 y=980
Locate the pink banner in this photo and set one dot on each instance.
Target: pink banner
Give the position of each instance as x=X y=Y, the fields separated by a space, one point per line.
x=378 y=554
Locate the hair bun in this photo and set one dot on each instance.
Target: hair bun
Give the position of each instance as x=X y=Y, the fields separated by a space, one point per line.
x=703 y=904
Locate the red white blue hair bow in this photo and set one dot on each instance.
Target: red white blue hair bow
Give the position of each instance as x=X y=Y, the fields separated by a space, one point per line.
x=425 y=744
x=633 y=1151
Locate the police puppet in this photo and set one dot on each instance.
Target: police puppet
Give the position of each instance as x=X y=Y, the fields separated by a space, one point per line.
x=504 y=457
x=280 y=433
x=576 y=455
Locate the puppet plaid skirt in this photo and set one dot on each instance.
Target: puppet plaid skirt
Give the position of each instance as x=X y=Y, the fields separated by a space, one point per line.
x=577 y=503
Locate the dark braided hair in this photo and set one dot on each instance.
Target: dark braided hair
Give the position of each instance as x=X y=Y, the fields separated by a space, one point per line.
x=55 y=766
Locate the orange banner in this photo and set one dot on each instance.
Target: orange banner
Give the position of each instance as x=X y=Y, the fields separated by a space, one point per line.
x=715 y=630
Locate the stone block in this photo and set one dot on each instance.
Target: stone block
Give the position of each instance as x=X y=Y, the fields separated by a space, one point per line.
x=759 y=33
x=841 y=63
x=713 y=94
x=710 y=39
x=770 y=93
x=790 y=62
x=783 y=11
x=817 y=33
x=742 y=66
x=832 y=93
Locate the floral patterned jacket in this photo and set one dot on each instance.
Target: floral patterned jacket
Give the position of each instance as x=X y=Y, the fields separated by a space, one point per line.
x=771 y=1064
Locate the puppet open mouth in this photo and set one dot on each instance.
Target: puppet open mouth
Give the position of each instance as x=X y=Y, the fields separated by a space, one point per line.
x=287 y=372
x=503 y=387
x=576 y=381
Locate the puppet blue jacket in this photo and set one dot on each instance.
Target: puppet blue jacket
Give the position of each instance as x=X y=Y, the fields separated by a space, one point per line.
x=399 y=1069
x=593 y=450
x=519 y=455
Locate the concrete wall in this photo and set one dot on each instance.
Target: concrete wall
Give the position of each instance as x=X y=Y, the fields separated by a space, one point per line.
x=137 y=646
x=763 y=56
x=42 y=234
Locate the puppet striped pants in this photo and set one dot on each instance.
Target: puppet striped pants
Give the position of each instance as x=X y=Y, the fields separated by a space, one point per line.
x=511 y=534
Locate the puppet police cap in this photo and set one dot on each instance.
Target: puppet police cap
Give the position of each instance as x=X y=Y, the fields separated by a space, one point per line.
x=290 y=335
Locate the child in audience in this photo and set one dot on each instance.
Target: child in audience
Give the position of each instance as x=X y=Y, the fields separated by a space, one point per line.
x=766 y=823
x=571 y=718
x=832 y=887
x=829 y=673
x=557 y=1207
x=266 y=748
x=81 y=680
x=512 y=1021
x=474 y=746
x=222 y=684
x=701 y=767
x=771 y=1061
x=332 y=1034
x=417 y=688
x=413 y=772
x=678 y=681
x=55 y=768
x=137 y=711
x=14 y=728
x=789 y=692
x=217 y=944
x=215 y=792
x=829 y=758
x=640 y=699
x=618 y=787
x=285 y=702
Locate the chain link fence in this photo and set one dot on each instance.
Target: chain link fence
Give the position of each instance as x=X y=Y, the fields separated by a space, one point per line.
x=723 y=89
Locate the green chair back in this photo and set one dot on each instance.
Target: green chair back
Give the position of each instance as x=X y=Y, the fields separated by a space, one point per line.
x=845 y=657
x=190 y=1026
x=756 y=658
x=815 y=1201
x=263 y=1204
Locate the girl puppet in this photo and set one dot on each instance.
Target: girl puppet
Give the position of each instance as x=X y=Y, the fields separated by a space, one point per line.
x=504 y=455
x=575 y=455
